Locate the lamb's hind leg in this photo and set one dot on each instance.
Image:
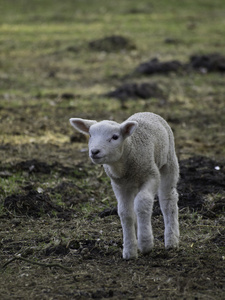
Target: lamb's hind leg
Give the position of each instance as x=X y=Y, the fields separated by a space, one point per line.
x=168 y=198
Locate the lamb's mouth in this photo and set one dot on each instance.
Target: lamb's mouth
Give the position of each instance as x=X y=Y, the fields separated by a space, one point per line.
x=96 y=158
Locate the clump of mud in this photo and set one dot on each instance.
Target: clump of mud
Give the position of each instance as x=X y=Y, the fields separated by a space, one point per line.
x=154 y=66
x=112 y=43
x=136 y=91
x=208 y=63
x=203 y=63
x=201 y=176
x=35 y=205
x=36 y=166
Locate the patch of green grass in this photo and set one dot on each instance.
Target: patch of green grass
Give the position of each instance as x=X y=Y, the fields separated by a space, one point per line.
x=34 y=43
x=11 y=184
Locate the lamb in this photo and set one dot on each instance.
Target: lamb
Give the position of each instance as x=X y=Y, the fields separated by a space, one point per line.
x=139 y=157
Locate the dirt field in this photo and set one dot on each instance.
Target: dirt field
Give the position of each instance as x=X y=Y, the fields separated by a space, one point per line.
x=60 y=235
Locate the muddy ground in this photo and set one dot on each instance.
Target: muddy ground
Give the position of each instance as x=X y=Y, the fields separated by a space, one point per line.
x=71 y=251
x=60 y=235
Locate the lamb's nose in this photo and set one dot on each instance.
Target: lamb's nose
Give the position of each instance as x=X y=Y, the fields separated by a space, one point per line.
x=95 y=151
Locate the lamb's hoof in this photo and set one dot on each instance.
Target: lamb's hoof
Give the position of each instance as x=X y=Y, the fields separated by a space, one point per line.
x=172 y=244
x=172 y=247
x=127 y=255
x=146 y=247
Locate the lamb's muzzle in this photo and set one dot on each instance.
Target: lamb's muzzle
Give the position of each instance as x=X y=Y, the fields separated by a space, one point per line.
x=94 y=152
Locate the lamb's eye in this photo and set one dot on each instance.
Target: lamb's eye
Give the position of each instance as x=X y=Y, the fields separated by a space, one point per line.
x=115 y=137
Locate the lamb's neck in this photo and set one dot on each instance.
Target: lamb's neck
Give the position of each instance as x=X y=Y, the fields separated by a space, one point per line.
x=118 y=169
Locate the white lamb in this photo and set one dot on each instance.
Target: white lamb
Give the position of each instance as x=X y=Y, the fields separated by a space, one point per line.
x=139 y=157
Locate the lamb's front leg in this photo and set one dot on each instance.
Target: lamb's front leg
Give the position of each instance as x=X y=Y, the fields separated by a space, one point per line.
x=128 y=221
x=143 y=208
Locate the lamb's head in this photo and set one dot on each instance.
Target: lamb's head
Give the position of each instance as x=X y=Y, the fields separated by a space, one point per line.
x=106 y=142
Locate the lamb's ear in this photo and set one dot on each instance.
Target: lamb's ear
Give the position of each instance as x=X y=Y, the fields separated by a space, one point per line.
x=82 y=125
x=128 y=127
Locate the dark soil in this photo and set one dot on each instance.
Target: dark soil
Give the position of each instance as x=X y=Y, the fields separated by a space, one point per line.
x=35 y=205
x=34 y=166
x=136 y=91
x=208 y=63
x=112 y=43
x=71 y=220
x=203 y=63
x=154 y=66
x=200 y=176
x=90 y=246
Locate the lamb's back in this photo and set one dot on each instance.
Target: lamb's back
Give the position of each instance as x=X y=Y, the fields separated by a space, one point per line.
x=151 y=140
